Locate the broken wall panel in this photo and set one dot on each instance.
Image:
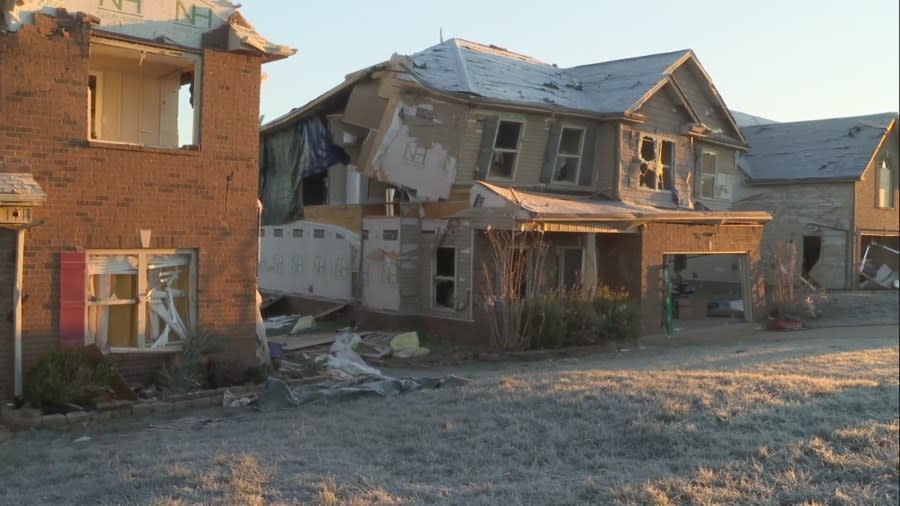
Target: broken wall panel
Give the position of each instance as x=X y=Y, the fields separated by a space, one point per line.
x=181 y=22
x=419 y=149
x=309 y=259
x=380 y=256
x=811 y=209
x=365 y=108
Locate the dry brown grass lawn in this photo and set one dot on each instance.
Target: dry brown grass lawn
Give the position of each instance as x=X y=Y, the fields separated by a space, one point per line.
x=809 y=420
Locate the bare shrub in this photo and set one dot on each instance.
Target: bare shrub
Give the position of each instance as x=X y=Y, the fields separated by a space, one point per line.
x=792 y=293
x=512 y=276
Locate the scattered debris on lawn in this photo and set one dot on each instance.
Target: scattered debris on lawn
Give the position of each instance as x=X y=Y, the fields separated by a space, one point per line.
x=279 y=395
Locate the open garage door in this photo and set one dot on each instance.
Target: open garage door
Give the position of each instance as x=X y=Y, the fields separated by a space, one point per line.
x=709 y=289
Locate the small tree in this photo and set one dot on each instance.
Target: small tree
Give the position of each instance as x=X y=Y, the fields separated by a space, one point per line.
x=512 y=276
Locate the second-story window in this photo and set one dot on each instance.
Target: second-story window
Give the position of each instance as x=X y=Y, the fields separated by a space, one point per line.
x=568 y=158
x=885 y=197
x=141 y=94
x=506 y=149
x=708 y=176
x=657 y=163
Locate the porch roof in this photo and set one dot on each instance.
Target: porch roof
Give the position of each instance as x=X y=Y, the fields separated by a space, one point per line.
x=567 y=213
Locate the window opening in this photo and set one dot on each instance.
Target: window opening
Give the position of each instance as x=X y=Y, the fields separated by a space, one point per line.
x=139 y=300
x=506 y=149
x=140 y=94
x=568 y=158
x=657 y=164
x=570 y=268
x=885 y=185
x=445 y=277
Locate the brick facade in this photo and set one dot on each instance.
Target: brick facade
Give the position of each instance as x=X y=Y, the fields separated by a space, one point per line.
x=100 y=195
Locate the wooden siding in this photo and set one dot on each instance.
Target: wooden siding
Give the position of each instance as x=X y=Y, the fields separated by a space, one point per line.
x=796 y=206
x=697 y=90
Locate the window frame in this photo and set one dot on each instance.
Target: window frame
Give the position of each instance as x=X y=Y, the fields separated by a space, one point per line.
x=517 y=151
x=561 y=266
x=143 y=341
x=715 y=173
x=140 y=49
x=580 y=156
x=881 y=169
x=435 y=277
x=658 y=141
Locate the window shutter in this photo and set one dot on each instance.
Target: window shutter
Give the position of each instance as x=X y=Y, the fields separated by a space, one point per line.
x=551 y=152
x=72 y=298
x=586 y=177
x=488 y=132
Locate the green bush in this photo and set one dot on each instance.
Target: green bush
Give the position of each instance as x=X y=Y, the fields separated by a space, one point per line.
x=567 y=317
x=68 y=377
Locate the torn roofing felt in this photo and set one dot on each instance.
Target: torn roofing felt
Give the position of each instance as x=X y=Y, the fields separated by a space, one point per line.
x=836 y=148
x=614 y=87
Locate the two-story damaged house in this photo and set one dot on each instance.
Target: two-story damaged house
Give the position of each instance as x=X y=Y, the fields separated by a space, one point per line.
x=832 y=188
x=403 y=167
x=128 y=179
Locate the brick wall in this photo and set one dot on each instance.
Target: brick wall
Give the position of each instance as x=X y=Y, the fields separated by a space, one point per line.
x=101 y=196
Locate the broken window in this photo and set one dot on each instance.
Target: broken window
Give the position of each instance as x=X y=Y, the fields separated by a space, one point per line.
x=445 y=277
x=568 y=158
x=140 y=299
x=885 y=199
x=142 y=94
x=506 y=149
x=657 y=163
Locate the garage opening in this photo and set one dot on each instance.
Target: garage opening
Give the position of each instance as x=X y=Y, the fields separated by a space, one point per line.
x=879 y=264
x=708 y=288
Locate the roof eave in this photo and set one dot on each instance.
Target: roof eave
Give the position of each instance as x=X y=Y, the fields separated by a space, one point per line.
x=303 y=111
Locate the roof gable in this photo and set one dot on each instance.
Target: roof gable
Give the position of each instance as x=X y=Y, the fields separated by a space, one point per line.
x=827 y=149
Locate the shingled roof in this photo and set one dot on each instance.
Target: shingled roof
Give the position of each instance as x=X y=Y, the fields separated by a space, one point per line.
x=496 y=74
x=827 y=149
x=20 y=188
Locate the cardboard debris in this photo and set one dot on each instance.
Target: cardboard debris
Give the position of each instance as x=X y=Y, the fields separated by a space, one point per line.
x=294 y=343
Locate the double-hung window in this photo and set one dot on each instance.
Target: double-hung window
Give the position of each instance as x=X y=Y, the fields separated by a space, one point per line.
x=568 y=157
x=506 y=149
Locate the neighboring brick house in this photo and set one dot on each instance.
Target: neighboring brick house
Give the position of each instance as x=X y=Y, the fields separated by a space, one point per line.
x=412 y=159
x=142 y=130
x=832 y=188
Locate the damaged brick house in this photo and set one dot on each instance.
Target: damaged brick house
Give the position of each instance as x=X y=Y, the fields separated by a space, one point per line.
x=136 y=125
x=404 y=165
x=832 y=188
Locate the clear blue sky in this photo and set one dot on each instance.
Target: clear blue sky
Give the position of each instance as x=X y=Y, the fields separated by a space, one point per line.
x=786 y=60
